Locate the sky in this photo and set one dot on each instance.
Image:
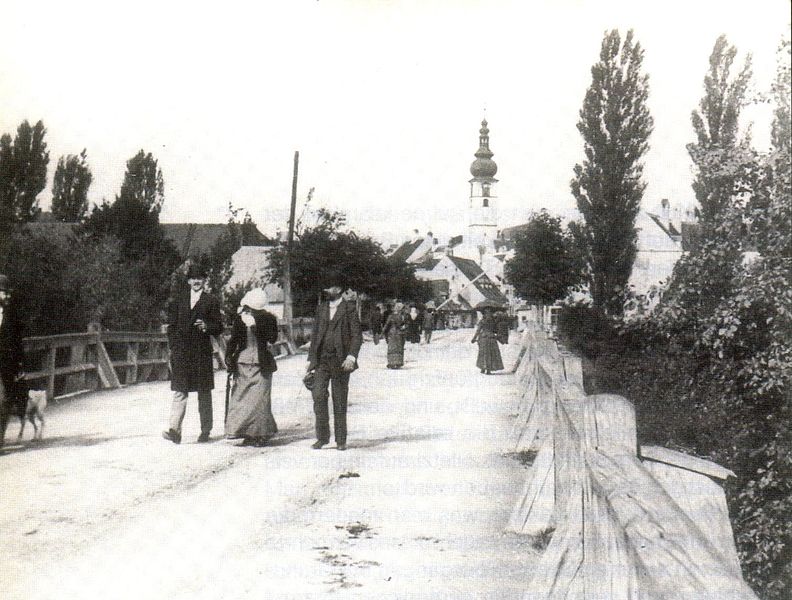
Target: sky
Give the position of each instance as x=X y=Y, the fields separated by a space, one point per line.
x=383 y=100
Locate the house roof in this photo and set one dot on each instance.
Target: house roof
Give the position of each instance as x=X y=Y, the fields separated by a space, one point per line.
x=668 y=228
x=509 y=233
x=190 y=239
x=403 y=252
x=193 y=239
x=483 y=284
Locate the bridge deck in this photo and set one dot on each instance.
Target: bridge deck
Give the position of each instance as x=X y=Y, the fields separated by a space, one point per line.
x=105 y=506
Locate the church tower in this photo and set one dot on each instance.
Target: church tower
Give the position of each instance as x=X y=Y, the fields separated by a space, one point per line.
x=482 y=212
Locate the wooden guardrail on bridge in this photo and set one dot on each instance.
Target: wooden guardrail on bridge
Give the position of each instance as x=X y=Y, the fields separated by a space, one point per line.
x=77 y=362
x=80 y=362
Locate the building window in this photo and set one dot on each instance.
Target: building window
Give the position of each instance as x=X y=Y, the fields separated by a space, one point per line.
x=486 y=202
x=485 y=189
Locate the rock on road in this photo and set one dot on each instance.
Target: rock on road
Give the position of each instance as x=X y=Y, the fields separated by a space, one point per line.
x=105 y=508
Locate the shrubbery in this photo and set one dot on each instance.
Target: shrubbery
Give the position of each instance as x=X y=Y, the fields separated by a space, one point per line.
x=709 y=369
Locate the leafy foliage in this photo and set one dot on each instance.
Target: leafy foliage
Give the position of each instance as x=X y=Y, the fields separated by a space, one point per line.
x=23 y=173
x=133 y=219
x=323 y=254
x=615 y=124
x=545 y=265
x=716 y=124
x=70 y=188
x=143 y=184
x=35 y=267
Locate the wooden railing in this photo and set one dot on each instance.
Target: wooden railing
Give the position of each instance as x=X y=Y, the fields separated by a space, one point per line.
x=79 y=362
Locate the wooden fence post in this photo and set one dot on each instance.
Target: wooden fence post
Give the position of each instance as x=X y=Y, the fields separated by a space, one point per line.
x=51 y=372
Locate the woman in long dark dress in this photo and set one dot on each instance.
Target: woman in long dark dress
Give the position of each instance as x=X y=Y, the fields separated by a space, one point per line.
x=393 y=330
x=489 y=356
x=250 y=360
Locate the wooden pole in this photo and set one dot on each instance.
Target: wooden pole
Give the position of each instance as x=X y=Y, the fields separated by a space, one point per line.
x=287 y=292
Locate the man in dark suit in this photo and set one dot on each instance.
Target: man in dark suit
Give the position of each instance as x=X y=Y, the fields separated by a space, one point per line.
x=193 y=316
x=12 y=390
x=332 y=358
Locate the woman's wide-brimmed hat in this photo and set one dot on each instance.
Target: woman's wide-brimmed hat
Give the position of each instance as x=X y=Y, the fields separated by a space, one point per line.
x=489 y=305
x=255 y=299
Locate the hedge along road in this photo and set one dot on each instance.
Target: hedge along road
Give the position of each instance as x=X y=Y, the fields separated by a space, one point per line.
x=104 y=507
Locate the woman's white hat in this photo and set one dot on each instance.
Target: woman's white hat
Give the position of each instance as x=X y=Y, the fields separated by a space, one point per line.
x=255 y=299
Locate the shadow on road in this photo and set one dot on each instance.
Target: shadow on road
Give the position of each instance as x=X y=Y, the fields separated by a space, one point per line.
x=63 y=442
x=394 y=439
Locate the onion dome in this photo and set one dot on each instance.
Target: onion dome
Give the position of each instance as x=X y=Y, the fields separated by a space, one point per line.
x=483 y=167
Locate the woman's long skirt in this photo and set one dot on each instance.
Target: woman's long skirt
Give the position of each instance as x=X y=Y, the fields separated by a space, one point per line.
x=250 y=405
x=489 y=356
x=395 y=349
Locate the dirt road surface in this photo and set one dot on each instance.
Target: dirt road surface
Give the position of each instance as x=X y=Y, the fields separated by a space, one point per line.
x=103 y=507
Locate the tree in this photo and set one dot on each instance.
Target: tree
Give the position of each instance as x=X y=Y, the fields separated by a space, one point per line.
x=716 y=124
x=23 y=172
x=615 y=125
x=143 y=182
x=544 y=265
x=134 y=220
x=782 y=114
x=323 y=253
x=70 y=188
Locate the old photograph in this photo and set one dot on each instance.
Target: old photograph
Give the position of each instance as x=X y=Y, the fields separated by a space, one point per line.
x=395 y=299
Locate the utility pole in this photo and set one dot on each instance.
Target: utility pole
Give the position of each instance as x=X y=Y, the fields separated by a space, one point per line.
x=287 y=291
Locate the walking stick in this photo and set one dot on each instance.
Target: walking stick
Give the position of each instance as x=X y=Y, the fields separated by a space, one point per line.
x=228 y=394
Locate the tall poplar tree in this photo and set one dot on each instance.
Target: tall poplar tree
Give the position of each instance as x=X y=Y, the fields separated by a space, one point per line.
x=70 y=188
x=615 y=125
x=716 y=124
x=23 y=172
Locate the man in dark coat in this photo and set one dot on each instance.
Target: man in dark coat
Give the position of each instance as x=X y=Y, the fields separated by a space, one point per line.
x=193 y=316
x=375 y=322
x=332 y=358
x=428 y=323
x=12 y=391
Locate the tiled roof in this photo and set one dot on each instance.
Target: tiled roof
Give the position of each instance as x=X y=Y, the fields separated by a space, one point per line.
x=668 y=229
x=403 y=252
x=483 y=284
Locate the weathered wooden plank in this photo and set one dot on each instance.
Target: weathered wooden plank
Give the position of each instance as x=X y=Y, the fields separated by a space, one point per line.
x=704 y=501
x=533 y=513
x=107 y=374
x=685 y=461
x=675 y=559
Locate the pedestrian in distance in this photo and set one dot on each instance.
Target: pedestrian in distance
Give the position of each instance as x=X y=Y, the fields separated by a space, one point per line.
x=393 y=330
x=375 y=322
x=489 y=357
x=331 y=359
x=428 y=324
x=414 y=323
x=249 y=360
x=13 y=393
x=193 y=316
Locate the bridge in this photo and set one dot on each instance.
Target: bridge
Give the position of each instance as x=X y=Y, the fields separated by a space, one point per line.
x=456 y=485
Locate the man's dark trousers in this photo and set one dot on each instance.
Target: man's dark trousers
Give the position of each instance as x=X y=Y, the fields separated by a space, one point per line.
x=330 y=374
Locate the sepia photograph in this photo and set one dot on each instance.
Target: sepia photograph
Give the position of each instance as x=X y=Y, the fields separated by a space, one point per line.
x=396 y=299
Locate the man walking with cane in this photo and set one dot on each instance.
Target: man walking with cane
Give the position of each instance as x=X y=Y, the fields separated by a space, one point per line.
x=332 y=358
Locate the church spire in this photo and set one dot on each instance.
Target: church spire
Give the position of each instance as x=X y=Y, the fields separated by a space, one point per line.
x=483 y=167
